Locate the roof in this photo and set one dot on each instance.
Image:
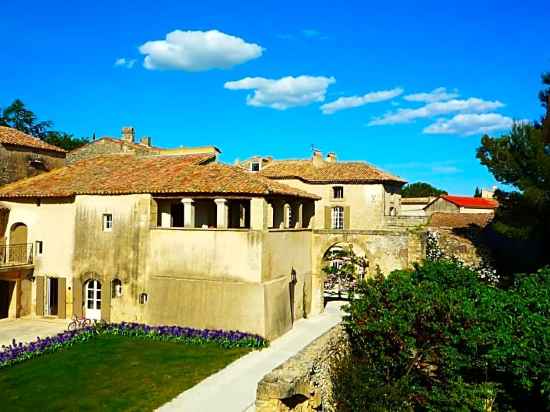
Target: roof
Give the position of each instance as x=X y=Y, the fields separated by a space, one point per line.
x=328 y=172
x=460 y=220
x=9 y=135
x=416 y=200
x=153 y=149
x=471 y=202
x=116 y=174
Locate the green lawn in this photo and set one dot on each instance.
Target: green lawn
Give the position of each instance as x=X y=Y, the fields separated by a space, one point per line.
x=110 y=373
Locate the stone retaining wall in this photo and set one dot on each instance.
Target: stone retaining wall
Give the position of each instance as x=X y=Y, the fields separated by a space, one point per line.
x=302 y=383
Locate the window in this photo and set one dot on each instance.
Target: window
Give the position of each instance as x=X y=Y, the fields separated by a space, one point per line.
x=107 y=222
x=39 y=246
x=116 y=290
x=143 y=298
x=255 y=166
x=337 y=192
x=338 y=217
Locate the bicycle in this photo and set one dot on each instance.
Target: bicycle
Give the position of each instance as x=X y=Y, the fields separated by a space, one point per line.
x=79 y=323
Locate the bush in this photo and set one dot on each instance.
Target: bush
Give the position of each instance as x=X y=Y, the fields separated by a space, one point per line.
x=440 y=338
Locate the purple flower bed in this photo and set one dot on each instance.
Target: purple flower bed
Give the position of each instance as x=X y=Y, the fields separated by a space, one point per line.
x=18 y=352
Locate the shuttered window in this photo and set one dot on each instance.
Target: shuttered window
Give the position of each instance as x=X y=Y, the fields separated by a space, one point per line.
x=337 y=218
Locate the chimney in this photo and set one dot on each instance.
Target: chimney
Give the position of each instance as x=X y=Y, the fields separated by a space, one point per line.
x=317 y=159
x=331 y=157
x=128 y=134
x=146 y=141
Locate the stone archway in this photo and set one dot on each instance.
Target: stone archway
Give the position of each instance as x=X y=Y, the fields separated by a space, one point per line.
x=322 y=242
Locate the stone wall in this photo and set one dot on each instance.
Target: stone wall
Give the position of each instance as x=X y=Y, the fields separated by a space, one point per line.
x=463 y=246
x=108 y=146
x=303 y=383
x=20 y=162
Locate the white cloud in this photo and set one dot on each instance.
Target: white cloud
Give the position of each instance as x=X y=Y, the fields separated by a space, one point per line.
x=471 y=105
x=343 y=103
x=198 y=51
x=436 y=95
x=124 y=62
x=283 y=93
x=443 y=167
x=469 y=124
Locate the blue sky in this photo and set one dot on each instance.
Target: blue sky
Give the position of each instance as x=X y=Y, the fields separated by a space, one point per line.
x=377 y=67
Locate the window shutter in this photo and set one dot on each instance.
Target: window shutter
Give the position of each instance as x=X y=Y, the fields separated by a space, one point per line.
x=61 y=292
x=40 y=296
x=77 y=297
x=328 y=217
x=346 y=217
x=106 y=301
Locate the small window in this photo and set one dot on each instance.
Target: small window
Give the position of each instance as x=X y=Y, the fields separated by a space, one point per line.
x=39 y=247
x=338 y=192
x=337 y=217
x=255 y=166
x=107 y=222
x=143 y=298
x=116 y=290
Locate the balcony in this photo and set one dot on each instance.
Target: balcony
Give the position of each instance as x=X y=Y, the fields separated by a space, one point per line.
x=16 y=255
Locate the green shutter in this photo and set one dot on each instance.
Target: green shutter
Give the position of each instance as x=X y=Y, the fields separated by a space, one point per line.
x=61 y=298
x=328 y=217
x=77 y=297
x=346 y=217
x=40 y=296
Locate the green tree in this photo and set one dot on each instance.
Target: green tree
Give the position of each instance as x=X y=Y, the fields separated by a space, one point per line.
x=477 y=193
x=343 y=269
x=421 y=189
x=521 y=159
x=18 y=116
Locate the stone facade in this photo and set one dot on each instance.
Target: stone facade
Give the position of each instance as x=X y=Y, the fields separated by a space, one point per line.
x=303 y=383
x=19 y=162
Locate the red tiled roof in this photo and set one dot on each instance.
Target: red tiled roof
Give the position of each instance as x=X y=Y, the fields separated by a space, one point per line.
x=460 y=220
x=328 y=172
x=15 y=137
x=126 y=174
x=472 y=202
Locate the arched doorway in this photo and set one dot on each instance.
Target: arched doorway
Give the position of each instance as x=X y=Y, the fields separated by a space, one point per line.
x=92 y=299
x=344 y=264
x=18 y=243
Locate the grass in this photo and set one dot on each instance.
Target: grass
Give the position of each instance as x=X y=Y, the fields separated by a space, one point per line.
x=110 y=373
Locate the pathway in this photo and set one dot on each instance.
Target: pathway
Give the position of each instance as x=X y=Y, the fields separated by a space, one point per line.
x=26 y=330
x=233 y=389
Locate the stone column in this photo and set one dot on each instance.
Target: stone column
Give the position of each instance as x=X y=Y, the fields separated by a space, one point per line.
x=299 y=211
x=258 y=213
x=286 y=214
x=270 y=215
x=222 y=213
x=188 y=212
x=165 y=214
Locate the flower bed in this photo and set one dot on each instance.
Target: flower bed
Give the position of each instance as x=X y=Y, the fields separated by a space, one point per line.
x=18 y=352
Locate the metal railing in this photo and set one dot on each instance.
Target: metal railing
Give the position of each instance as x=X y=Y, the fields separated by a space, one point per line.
x=16 y=255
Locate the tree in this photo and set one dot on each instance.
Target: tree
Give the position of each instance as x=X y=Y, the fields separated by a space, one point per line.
x=18 y=116
x=521 y=159
x=344 y=269
x=421 y=189
x=477 y=193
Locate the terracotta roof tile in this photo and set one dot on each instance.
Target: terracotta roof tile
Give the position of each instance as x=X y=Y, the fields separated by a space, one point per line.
x=15 y=137
x=339 y=172
x=125 y=174
x=460 y=220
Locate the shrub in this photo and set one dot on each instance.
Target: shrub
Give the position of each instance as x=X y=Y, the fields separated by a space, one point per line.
x=440 y=338
x=18 y=352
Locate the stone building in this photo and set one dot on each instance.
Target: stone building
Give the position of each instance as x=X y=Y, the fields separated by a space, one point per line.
x=461 y=204
x=159 y=239
x=22 y=155
x=360 y=205
x=129 y=144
